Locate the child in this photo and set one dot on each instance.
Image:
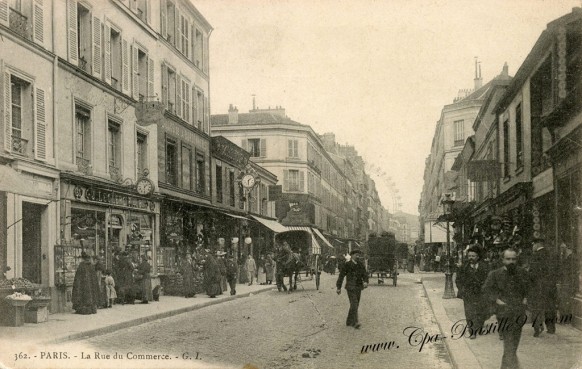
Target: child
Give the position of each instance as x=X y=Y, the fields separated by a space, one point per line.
x=110 y=288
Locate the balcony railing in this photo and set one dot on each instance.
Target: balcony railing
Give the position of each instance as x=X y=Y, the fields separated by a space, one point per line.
x=115 y=83
x=84 y=166
x=115 y=173
x=19 y=145
x=19 y=24
x=83 y=64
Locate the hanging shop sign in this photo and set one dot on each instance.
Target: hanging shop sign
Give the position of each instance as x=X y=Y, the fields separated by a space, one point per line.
x=110 y=197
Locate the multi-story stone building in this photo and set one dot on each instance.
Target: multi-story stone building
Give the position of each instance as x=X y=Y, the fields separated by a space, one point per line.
x=78 y=106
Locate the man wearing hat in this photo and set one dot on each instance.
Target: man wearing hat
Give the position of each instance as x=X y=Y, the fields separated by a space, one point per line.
x=356 y=280
x=222 y=267
x=543 y=294
x=85 y=289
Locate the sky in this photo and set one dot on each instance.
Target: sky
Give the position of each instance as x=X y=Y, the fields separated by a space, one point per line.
x=375 y=73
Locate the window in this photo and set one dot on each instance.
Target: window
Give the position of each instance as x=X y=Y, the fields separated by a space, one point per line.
x=197 y=51
x=170 y=14
x=20 y=105
x=186 y=168
x=114 y=146
x=171 y=162
x=219 y=189
x=459 y=132
x=142 y=10
x=84 y=42
x=142 y=152
x=116 y=60
x=293 y=180
x=293 y=149
x=256 y=146
x=82 y=135
x=200 y=173
x=200 y=110
x=142 y=75
x=231 y=187
x=169 y=88
x=518 y=137
x=506 y=148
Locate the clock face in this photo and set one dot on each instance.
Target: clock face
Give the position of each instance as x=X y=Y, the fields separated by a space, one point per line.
x=248 y=181
x=144 y=187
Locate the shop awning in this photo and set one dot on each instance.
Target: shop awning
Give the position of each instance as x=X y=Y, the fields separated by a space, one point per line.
x=233 y=215
x=297 y=228
x=315 y=248
x=325 y=241
x=271 y=224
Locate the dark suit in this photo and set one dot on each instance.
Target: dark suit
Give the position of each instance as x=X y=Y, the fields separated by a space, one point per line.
x=356 y=275
x=511 y=289
x=470 y=281
x=543 y=294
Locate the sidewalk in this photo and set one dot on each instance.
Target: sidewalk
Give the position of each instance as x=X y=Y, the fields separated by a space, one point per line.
x=69 y=326
x=562 y=350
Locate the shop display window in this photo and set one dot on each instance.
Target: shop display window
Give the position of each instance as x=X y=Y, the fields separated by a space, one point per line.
x=88 y=231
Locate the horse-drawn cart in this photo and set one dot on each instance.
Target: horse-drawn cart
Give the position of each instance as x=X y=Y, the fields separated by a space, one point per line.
x=304 y=254
x=383 y=258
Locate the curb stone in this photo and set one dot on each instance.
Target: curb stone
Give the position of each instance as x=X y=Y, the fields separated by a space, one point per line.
x=147 y=319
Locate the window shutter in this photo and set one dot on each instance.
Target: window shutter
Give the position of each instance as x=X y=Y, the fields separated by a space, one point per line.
x=134 y=79
x=72 y=34
x=244 y=144
x=177 y=32
x=107 y=57
x=204 y=60
x=125 y=69
x=192 y=42
x=40 y=126
x=301 y=181
x=286 y=180
x=38 y=21
x=163 y=20
x=7 y=111
x=263 y=147
x=96 y=47
x=289 y=148
x=4 y=12
x=164 y=84
x=178 y=111
x=151 y=93
x=194 y=106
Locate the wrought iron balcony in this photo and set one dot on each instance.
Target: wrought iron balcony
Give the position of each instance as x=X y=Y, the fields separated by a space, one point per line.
x=115 y=83
x=19 y=145
x=83 y=64
x=19 y=23
x=115 y=173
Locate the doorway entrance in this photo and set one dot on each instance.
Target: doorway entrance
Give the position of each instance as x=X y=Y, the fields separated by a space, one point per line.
x=32 y=242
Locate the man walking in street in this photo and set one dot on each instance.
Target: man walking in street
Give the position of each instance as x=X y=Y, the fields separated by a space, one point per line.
x=508 y=287
x=470 y=279
x=251 y=268
x=356 y=280
x=543 y=296
x=231 y=274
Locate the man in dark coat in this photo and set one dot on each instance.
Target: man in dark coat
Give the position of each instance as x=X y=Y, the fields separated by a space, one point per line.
x=144 y=280
x=507 y=287
x=543 y=294
x=231 y=273
x=356 y=280
x=212 y=275
x=470 y=279
x=86 y=295
x=125 y=279
x=187 y=271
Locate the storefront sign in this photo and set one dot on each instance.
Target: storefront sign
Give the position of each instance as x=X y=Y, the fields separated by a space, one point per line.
x=110 y=197
x=226 y=150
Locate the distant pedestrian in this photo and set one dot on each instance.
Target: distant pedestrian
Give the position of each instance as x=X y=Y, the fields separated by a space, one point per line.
x=269 y=269
x=470 y=279
x=110 y=288
x=222 y=266
x=543 y=294
x=187 y=269
x=144 y=280
x=86 y=296
x=356 y=280
x=231 y=274
x=251 y=268
x=508 y=287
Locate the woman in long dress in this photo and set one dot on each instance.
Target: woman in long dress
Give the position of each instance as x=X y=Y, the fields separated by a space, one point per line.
x=269 y=269
x=212 y=276
x=143 y=271
x=86 y=296
x=187 y=270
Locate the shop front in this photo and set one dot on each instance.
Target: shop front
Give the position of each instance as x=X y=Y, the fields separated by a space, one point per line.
x=102 y=220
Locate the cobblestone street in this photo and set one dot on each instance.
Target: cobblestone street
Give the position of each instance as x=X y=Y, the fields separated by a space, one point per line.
x=305 y=329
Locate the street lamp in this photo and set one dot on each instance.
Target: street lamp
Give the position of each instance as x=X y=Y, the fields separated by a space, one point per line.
x=448 y=202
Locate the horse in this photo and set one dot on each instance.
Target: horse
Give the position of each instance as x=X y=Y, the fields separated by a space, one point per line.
x=288 y=264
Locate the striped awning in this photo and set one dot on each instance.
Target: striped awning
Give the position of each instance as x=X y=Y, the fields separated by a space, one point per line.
x=271 y=224
x=325 y=241
x=233 y=215
x=315 y=247
x=298 y=228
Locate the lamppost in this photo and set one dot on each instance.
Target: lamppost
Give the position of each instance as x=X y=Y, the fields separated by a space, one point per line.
x=448 y=202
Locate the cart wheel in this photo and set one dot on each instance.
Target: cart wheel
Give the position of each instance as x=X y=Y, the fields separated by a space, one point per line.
x=394 y=279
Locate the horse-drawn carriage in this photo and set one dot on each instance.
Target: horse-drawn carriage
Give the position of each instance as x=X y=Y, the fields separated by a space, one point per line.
x=300 y=253
x=383 y=257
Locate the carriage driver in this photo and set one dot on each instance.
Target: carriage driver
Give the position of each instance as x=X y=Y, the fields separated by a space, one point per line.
x=356 y=280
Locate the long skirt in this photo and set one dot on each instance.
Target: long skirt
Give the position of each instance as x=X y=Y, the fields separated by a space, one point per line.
x=146 y=289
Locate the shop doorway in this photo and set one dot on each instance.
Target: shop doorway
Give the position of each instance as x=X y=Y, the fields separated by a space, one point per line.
x=32 y=241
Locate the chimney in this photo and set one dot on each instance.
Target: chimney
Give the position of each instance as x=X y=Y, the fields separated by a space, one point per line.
x=328 y=140
x=478 y=79
x=505 y=72
x=232 y=114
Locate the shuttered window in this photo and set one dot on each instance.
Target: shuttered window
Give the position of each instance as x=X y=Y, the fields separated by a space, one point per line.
x=293 y=180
